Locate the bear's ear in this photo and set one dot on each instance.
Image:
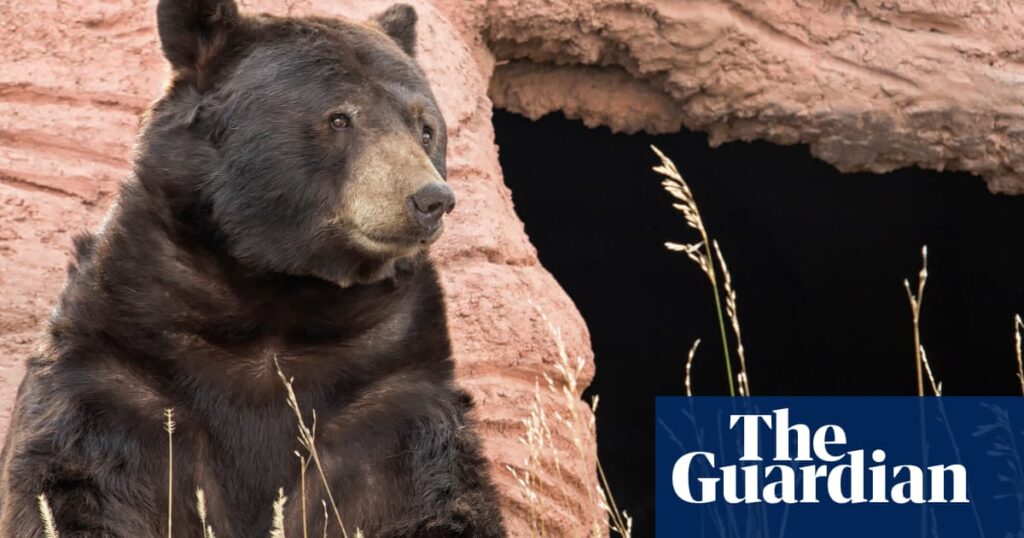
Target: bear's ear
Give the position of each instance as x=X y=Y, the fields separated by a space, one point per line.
x=399 y=22
x=194 y=32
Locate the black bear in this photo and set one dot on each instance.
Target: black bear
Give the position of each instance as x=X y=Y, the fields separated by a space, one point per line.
x=286 y=190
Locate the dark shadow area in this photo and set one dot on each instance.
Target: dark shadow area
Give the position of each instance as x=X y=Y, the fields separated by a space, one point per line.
x=817 y=257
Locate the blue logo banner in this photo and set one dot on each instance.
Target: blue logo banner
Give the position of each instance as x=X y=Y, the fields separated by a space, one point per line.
x=802 y=467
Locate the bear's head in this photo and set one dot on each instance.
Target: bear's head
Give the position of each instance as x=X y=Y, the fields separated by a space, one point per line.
x=307 y=146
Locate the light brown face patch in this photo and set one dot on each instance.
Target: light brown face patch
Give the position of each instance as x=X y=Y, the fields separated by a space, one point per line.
x=374 y=204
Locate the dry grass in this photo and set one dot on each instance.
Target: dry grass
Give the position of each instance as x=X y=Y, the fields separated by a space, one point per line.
x=277 y=526
x=303 y=465
x=936 y=387
x=924 y=367
x=564 y=388
x=1018 y=324
x=49 y=527
x=307 y=438
x=915 y=309
x=537 y=440
x=201 y=508
x=169 y=426
x=705 y=253
x=915 y=300
x=742 y=381
x=326 y=519
x=689 y=366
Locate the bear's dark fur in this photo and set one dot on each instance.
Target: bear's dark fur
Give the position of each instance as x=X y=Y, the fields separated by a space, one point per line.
x=276 y=215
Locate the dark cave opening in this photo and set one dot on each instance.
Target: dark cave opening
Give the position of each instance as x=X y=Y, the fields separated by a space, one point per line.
x=817 y=257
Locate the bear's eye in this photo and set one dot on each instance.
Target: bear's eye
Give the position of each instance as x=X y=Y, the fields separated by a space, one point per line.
x=427 y=137
x=340 y=121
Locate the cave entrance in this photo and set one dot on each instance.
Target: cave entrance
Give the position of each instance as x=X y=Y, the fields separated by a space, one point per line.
x=817 y=258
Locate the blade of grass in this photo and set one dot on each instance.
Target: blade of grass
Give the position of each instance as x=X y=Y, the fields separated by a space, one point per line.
x=303 y=464
x=689 y=366
x=201 y=508
x=1018 y=324
x=169 y=426
x=277 y=526
x=307 y=435
x=49 y=526
x=915 y=309
x=734 y=320
x=676 y=186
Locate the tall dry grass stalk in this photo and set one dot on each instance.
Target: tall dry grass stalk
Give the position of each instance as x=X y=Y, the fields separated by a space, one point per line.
x=915 y=309
x=734 y=320
x=169 y=426
x=936 y=387
x=49 y=526
x=201 y=509
x=920 y=356
x=582 y=428
x=1018 y=324
x=307 y=438
x=539 y=439
x=277 y=525
x=326 y=519
x=702 y=254
x=303 y=464
x=689 y=366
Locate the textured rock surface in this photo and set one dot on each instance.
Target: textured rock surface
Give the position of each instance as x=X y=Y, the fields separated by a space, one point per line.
x=869 y=85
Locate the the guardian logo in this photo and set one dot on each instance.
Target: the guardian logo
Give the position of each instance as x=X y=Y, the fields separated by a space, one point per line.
x=809 y=467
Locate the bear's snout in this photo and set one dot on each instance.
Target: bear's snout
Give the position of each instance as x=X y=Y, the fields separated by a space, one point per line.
x=429 y=204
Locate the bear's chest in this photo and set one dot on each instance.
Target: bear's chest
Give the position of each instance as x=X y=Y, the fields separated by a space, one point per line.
x=365 y=441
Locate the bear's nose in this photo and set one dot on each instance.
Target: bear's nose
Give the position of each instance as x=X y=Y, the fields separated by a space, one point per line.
x=430 y=203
